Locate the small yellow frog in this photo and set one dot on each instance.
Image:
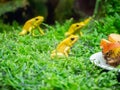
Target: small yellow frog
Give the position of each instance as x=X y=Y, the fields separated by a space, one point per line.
x=75 y=28
x=64 y=47
x=32 y=24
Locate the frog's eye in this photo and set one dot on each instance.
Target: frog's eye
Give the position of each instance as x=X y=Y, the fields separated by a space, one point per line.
x=72 y=39
x=77 y=25
x=36 y=19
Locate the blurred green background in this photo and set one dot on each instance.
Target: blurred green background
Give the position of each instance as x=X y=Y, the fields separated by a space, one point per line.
x=52 y=10
x=57 y=10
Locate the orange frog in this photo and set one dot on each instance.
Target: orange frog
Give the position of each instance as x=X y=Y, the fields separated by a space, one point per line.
x=31 y=24
x=64 y=47
x=111 y=49
x=76 y=27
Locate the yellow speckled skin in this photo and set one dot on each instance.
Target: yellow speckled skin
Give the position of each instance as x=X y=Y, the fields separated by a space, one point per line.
x=32 y=24
x=64 y=47
x=75 y=28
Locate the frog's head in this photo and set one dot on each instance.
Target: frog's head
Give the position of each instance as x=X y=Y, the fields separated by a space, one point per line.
x=38 y=20
x=73 y=38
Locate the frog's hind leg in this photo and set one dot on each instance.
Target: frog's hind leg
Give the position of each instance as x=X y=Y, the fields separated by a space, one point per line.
x=57 y=55
x=31 y=31
x=66 y=51
x=23 y=32
x=53 y=53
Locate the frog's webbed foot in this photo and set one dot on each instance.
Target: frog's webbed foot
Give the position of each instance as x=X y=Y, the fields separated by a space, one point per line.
x=33 y=34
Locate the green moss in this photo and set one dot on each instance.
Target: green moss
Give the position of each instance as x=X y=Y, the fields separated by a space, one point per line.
x=25 y=61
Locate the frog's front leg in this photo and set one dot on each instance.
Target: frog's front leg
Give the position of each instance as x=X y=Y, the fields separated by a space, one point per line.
x=41 y=31
x=81 y=34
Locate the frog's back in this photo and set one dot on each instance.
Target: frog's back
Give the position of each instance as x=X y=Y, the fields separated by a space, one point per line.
x=27 y=26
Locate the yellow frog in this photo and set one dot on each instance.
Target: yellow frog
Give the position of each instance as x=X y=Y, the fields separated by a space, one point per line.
x=64 y=47
x=75 y=28
x=32 y=24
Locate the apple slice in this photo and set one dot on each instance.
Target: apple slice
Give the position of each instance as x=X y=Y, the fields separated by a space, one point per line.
x=107 y=45
x=114 y=37
x=111 y=49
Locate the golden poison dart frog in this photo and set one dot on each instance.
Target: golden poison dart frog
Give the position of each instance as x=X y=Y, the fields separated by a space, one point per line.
x=76 y=27
x=31 y=24
x=64 y=47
